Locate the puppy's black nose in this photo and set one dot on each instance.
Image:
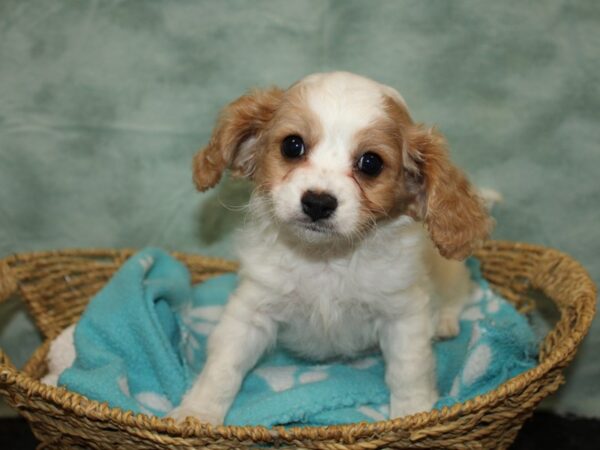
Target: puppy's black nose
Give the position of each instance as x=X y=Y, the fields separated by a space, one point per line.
x=318 y=205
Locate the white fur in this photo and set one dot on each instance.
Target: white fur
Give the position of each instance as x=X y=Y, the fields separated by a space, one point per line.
x=332 y=293
x=60 y=356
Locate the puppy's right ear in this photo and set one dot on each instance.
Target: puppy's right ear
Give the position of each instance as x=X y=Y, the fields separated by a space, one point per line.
x=233 y=141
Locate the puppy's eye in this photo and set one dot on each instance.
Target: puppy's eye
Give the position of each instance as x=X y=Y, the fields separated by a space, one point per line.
x=292 y=147
x=370 y=164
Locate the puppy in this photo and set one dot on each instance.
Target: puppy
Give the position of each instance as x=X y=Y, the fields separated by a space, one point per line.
x=356 y=217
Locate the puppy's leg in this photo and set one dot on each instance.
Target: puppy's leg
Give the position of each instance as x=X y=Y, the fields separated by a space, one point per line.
x=453 y=287
x=410 y=364
x=234 y=347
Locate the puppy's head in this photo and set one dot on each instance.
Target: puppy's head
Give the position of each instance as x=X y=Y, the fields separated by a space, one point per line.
x=336 y=154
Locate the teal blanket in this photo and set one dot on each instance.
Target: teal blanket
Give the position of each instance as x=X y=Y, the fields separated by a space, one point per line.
x=142 y=340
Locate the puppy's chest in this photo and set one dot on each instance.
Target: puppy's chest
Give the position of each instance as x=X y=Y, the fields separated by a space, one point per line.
x=331 y=309
x=339 y=283
x=327 y=307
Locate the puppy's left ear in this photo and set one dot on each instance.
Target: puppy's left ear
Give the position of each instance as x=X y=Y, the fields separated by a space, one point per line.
x=233 y=141
x=454 y=214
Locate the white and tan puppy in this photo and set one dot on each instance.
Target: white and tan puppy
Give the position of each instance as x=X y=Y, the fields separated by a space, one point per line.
x=356 y=209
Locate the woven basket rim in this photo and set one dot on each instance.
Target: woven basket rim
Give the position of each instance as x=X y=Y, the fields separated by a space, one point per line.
x=94 y=410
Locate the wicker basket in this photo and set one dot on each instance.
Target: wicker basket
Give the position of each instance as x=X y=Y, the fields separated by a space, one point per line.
x=56 y=286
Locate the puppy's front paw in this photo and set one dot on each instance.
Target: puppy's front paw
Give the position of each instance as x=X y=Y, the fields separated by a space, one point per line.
x=400 y=407
x=182 y=412
x=448 y=326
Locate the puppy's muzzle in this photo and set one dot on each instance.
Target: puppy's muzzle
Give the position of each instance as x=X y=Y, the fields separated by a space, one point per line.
x=318 y=205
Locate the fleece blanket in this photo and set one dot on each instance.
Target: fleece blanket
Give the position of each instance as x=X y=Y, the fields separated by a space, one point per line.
x=142 y=340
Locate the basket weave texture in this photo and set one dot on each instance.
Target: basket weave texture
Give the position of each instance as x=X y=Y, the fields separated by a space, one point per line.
x=57 y=285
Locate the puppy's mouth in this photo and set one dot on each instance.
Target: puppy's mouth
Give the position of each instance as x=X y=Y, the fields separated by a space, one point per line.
x=321 y=228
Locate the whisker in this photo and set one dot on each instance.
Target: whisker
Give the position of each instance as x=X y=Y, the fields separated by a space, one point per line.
x=234 y=208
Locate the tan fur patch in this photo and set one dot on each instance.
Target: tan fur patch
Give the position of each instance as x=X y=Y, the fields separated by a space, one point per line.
x=293 y=117
x=385 y=196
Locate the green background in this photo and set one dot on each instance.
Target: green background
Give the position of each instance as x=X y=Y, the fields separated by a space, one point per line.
x=103 y=104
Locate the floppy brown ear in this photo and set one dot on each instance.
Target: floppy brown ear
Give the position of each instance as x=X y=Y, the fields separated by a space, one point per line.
x=453 y=213
x=232 y=144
